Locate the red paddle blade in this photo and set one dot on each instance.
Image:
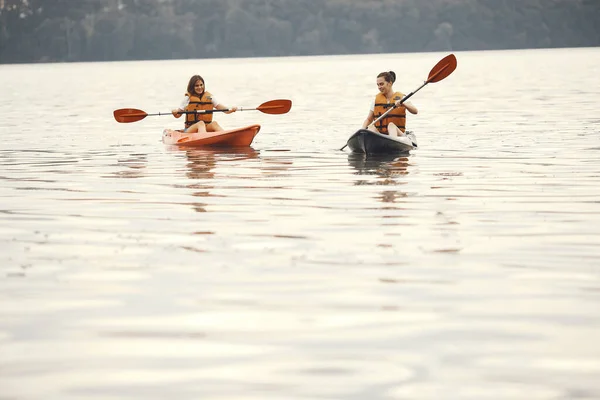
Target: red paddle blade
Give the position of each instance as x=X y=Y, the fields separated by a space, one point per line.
x=442 y=69
x=275 y=106
x=125 y=115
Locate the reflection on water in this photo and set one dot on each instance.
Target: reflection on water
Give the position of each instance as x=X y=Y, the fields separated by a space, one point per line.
x=202 y=161
x=388 y=168
x=384 y=165
x=134 y=164
x=201 y=164
x=467 y=269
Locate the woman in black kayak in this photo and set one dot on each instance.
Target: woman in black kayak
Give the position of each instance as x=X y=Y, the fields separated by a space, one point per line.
x=394 y=123
x=198 y=99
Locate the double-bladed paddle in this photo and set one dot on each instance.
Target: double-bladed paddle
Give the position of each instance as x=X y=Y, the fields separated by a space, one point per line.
x=126 y=115
x=442 y=69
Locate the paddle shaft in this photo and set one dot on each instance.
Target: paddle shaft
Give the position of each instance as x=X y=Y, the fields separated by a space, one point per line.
x=126 y=115
x=201 y=111
x=260 y=108
x=191 y=112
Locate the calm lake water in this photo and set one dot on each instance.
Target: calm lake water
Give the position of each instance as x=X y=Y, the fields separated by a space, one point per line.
x=469 y=269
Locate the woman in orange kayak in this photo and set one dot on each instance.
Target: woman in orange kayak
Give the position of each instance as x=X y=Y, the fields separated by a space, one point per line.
x=198 y=99
x=394 y=123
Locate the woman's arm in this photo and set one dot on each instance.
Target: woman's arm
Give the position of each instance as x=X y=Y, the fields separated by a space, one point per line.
x=177 y=111
x=409 y=106
x=223 y=107
x=368 y=120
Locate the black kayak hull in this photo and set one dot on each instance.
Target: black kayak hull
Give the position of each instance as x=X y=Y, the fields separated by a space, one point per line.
x=369 y=142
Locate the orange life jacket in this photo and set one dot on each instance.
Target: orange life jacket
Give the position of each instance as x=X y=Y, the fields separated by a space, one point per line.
x=397 y=116
x=198 y=103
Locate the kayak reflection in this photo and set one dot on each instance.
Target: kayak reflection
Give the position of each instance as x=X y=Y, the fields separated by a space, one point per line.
x=384 y=165
x=201 y=168
x=201 y=162
x=381 y=170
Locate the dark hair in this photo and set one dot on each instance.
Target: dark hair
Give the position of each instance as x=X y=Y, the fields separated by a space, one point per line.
x=192 y=83
x=389 y=76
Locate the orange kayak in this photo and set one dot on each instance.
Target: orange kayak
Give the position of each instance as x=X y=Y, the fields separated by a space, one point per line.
x=234 y=137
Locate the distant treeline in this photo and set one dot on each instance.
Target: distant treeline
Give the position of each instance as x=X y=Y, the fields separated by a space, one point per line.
x=108 y=30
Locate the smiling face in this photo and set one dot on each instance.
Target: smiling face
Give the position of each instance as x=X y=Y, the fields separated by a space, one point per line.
x=383 y=85
x=196 y=85
x=199 y=87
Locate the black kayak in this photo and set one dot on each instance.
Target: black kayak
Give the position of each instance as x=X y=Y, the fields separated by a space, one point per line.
x=369 y=142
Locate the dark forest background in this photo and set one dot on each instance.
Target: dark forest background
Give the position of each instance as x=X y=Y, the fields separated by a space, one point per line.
x=108 y=30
